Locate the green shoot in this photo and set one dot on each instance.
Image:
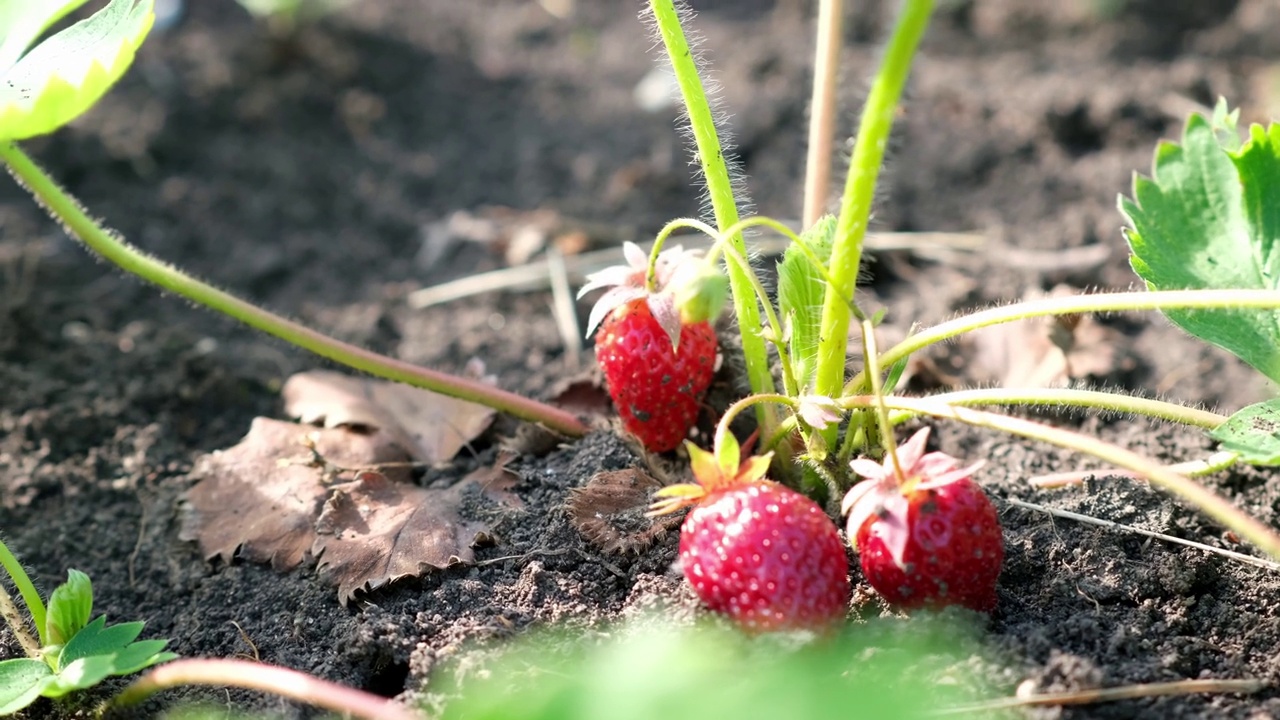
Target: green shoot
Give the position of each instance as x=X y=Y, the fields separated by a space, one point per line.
x=76 y=653
x=63 y=76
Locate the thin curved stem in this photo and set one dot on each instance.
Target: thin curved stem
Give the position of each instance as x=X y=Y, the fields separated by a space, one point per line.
x=1066 y=397
x=1076 y=304
x=722 y=428
x=63 y=208
x=220 y=672
x=1209 y=502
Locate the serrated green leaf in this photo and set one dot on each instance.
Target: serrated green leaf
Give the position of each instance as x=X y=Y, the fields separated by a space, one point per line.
x=79 y=674
x=98 y=639
x=22 y=21
x=65 y=75
x=70 y=607
x=800 y=295
x=1194 y=227
x=1225 y=123
x=1253 y=432
x=21 y=682
x=100 y=650
x=139 y=655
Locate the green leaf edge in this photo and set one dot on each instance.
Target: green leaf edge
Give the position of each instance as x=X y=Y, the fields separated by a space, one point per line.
x=26 y=112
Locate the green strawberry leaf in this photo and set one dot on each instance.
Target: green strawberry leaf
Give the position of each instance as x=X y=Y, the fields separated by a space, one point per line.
x=78 y=675
x=65 y=74
x=801 y=288
x=99 y=651
x=21 y=682
x=70 y=606
x=1225 y=122
x=1253 y=432
x=1210 y=218
x=22 y=21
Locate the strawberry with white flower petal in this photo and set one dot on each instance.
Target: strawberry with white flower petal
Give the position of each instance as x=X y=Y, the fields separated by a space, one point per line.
x=657 y=367
x=926 y=533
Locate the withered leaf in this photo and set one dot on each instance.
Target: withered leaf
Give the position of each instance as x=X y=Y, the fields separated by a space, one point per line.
x=374 y=531
x=610 y=509
x=263 y=495
x=431 y=426
x=1042 y=352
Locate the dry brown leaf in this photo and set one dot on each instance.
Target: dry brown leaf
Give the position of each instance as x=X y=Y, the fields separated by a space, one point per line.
x=610 y=509
x=374 y=531
x=1042 y=352
x=263 y=495
x=431 y=426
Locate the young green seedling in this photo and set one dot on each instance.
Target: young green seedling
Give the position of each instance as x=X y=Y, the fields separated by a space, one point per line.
x=73 y=652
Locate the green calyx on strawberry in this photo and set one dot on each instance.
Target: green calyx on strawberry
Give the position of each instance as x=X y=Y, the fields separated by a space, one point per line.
x=759 y=552
x=656 y=366
x=926 y=533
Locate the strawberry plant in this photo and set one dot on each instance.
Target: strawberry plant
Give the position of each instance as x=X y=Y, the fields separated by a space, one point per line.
x=1202 y=235
x=70 y=652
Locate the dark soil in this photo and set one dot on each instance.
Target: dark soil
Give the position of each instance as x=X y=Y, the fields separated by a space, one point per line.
x=300 y=174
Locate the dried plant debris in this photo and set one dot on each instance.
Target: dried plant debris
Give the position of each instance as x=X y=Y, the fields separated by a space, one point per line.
x=374 y=531
x=262 y=496
x=610 y=509
x=291 y=493
x=1043 y=352
x=432 y=427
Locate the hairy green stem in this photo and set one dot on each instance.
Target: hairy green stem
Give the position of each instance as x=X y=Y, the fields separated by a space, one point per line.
x=17 y=622
x=220 y=672
x=1073 y=305
x=720 y=190
x=26 y=589
x=872 y=354
x=1208 y=501
x=78 y=224
x=859 y=191
x=1065 y=397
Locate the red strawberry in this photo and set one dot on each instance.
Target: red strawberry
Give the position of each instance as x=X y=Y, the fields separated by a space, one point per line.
x=657 y=368
x=927 y=536
x=759 y=552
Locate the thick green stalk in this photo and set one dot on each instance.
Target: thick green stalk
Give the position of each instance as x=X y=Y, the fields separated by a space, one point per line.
x=859 y=191
x=719 y=188
x=1074 y=305
x=67 y=211
x=26 y=589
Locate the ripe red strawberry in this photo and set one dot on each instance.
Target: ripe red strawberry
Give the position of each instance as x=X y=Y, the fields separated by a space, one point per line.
x=657 y=368
x=759 y=552
x=927 y=537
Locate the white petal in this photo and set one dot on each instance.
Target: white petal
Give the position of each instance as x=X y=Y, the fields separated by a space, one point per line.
x=620 y=295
